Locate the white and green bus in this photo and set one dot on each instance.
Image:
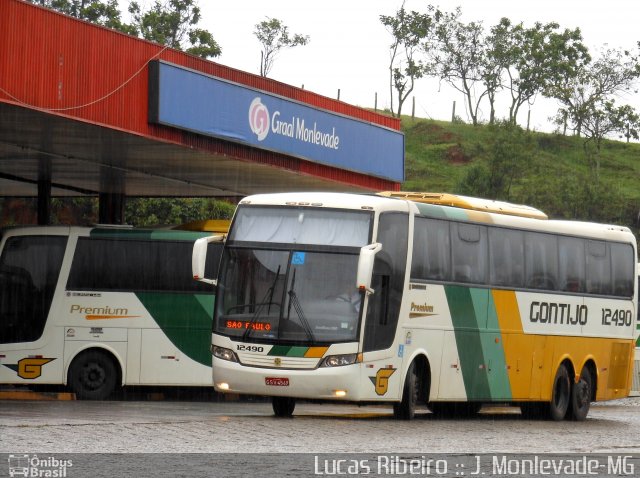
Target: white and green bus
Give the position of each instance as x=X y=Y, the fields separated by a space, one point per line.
x=440 y=300
x=98 y=308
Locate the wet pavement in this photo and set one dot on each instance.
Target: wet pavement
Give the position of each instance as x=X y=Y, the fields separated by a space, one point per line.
x=250 y=427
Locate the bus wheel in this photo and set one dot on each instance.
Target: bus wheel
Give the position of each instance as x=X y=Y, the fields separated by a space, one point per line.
x=283 y=406
x=406 y=409
x=581 y=396
x=560 y=394
x=92 y=375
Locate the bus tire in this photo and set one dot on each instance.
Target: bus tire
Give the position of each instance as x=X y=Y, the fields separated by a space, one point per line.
x=560 y=394
x=406 y=409
x=92 y=375
x=283 y=406
x=581 y=396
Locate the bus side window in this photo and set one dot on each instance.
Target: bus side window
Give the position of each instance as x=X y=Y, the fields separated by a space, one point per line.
x=29 y=269
x=387 y=282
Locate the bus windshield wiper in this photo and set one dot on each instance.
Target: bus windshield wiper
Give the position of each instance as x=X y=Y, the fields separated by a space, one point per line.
x=269 y=295
x=293 y=300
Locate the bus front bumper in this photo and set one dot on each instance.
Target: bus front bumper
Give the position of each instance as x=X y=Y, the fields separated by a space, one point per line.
x=327 y=383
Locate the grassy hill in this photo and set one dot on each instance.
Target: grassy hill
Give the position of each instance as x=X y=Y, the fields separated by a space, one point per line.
x=548 y=171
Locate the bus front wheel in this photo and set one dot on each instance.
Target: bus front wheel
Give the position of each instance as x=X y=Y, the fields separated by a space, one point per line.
x=560 y=394
x=283 y=406
x=406 y=409
x=92 y=375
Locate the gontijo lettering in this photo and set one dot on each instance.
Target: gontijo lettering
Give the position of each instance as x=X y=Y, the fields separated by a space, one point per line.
x=555 y=313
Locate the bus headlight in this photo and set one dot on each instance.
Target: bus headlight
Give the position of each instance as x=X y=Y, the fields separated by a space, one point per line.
x=339 y=360
x=224 y=354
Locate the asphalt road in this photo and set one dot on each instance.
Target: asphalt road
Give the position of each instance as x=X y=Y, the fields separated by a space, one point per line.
x=247 y=433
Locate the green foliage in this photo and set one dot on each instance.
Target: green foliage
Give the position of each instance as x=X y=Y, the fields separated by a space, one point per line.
x=105 y=13
x=142 y=212
x=411 y=32
x=546 y=171
x=139 y=212
x=506 y=159
x=274 y=35
x=174 y=24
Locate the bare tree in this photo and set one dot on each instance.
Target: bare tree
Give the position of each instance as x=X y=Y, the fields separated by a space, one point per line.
x=274 y=36
x=412 y=32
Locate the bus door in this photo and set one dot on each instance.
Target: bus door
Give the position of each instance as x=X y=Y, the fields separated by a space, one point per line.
x=30 y=342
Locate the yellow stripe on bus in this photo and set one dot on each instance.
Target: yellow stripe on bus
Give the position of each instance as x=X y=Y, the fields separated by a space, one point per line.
x=316 y=352
x=532 y=360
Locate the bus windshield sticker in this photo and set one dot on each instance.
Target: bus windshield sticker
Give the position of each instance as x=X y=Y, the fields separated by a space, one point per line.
x=298 y=258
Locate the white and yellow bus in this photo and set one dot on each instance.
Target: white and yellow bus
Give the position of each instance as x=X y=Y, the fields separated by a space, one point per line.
x=97 y=308
x=429 y=299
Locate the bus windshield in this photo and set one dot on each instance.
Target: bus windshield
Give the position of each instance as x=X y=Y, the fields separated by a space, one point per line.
x=288 y=295
x=289 y=274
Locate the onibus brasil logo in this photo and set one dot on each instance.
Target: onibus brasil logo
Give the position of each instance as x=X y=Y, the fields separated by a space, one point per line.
x=296 y=128
x=29 y=466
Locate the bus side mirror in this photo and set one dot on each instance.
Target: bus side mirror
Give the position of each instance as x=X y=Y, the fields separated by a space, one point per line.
x=199 y=258
x=365 y=266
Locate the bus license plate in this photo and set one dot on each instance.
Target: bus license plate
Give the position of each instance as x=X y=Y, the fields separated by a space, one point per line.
x=276 y=381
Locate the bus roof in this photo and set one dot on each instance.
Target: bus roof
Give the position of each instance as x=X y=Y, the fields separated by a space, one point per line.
x=464 y=202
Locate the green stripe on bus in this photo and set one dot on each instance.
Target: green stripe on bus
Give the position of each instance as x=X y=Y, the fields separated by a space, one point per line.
x=185 y=319
x=431 y=210
x=280 y=350
x=169 y=235
x=159 y=234
x=288 y=351
x=494 y=352
x=468 y=341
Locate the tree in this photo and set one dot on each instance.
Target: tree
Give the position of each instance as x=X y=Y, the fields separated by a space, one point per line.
x=412 y=32
x=588 y=102
x=274 y=36
x=509 y=156
x=175 y=24
x=611 y=75
x=105 y=13
x=538 y=60
x=461 y=60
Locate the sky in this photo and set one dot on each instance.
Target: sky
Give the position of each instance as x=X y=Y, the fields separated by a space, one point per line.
x=349 y=46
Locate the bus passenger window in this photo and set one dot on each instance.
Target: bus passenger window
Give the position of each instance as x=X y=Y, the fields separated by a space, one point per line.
x=622 y=262
x=29 y=269
x=598 y=268
x=541 y=261
x=469 y=252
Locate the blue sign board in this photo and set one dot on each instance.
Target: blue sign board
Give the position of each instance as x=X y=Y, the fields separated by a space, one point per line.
x=207 y=105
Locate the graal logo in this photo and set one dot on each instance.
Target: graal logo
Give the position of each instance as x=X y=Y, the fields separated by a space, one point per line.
x=259 y=119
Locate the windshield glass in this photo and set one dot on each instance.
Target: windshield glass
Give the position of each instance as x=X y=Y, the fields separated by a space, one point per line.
x=304 y=225
x=291 y=296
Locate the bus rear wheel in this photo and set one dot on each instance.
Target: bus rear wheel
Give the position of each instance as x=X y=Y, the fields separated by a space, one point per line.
x=283 y=406
x=92 y=375
x=560 y=394
x=581 y=396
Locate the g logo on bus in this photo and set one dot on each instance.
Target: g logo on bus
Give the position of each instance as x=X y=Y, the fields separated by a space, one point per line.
x=29 y=368
x=381 y=380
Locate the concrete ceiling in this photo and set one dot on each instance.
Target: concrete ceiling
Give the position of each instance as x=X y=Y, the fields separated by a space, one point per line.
x=85 y=158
